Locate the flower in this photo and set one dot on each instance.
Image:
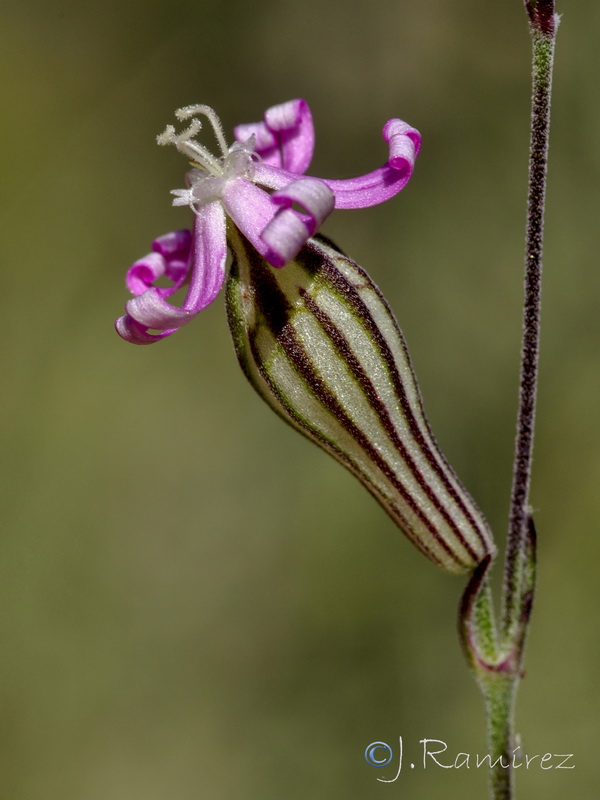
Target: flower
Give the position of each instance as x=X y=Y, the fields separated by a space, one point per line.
x=320 y=345
x=316 y=339
x=257 y=182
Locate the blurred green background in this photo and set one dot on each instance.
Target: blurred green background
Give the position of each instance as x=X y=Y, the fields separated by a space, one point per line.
x=194 y=601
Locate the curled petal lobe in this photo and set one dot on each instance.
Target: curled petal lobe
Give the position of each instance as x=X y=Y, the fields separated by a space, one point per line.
x=207 y=254
x=404 y=143
x=293 y=124
x=174 y=245
x=265 y=140
x=151 y=310
x=289 y=230
x=285 y=236
x=286 y=138
x=142 y=273
x=134 y=333
x=170 y=257
x=366 y=190
x=310 y=193
x=380 y=185
x=275 y=229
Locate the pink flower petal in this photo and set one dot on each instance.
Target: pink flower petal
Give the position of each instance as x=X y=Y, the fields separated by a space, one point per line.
x=209 y=253
x=286 y=138
x=312 y=194
x=170 y=257
x=150 y=310
x=270 y=223
x=375 y=187
x=251 y=209
x=134 y=333
x=173 y=245
x=142 y=273
x=366 y=190
x=370 y=189
x=266 y=143
x=272 y=176
x=289 y=230
x=399 y=135
x=285 y=237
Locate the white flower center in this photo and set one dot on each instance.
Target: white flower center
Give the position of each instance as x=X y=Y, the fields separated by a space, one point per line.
x=210 y=174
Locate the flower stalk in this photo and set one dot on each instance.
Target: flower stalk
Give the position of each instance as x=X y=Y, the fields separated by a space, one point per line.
x=496 y=656
x=543 y=24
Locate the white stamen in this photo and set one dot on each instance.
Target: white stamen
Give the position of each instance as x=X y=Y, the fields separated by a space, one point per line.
x=236 y=162
x=184 y=142
x=188 y=111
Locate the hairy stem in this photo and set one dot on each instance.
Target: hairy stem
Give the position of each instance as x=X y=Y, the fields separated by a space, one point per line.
x=499 y=703
x=497 y=660
x=543 y=30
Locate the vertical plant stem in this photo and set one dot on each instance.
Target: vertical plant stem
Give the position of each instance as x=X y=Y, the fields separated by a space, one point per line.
x=497 y=676
x=543 y=31
x=497 y=665
x=497 y=660
x=499 y=692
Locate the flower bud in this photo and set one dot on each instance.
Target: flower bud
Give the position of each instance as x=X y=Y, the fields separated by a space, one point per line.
x=318 y=342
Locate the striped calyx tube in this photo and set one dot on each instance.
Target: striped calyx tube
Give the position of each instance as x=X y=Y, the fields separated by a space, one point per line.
x=319 y=343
